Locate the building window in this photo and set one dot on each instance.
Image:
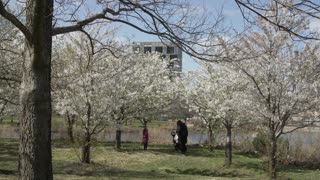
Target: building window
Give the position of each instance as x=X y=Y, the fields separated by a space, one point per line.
x=163 y=56
x=159 y=49
x=170 y=49
x=173 y=57
x=147 y=49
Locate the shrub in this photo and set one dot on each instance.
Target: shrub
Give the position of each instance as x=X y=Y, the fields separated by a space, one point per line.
x=261 y=145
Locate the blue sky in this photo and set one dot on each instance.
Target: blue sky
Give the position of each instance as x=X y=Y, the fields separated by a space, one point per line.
x=230 y=10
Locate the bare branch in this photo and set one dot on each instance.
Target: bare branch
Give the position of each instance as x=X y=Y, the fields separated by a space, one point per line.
x=15 y=21
x=259 y=11
x=8 y=101
x=254 y=81
x=10 y=79
x=300 y=127
x=81 y=24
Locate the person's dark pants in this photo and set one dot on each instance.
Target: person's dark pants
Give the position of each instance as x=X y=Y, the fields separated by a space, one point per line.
x=145 y=146
x=183 y=148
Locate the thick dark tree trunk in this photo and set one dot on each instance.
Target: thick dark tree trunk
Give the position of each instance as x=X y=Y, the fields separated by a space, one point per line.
x=86 y=148
x=118 y=139
x=35 y=97
x=228 y=160
x=273 y=157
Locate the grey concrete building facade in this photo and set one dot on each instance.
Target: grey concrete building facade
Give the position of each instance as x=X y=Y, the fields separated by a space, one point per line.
x=167 y=50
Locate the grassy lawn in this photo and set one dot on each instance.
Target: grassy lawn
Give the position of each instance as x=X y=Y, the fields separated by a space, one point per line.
x=159 y=162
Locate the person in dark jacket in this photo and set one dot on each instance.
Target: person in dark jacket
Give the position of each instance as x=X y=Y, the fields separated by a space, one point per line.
x=182 y=132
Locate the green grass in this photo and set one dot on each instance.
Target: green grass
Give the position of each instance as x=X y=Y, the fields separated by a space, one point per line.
x=159 y=162
x=8 y=121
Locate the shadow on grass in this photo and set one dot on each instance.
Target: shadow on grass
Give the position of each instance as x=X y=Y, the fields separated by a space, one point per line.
x=293 y=168
x=7 y=172
x=99 y=170
x=157 y=149
x=65 y=143
x=195 y=151
x=9 y=150
x=247 y=154
x=209 y=172
x=253 y=165
x=9 y=155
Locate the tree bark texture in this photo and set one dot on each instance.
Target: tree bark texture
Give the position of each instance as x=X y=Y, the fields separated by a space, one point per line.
x=86 y=148
x=35 y=97
x=273 y=157
x=70 y=121
x=228 y=160
x=211 y=138
x=70 y=134
x=86 y=138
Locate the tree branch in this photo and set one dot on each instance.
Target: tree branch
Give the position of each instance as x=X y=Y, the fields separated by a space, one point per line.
x=10 y=79
x=15 y=21
x=81 y=24
x=300 y=127
x=254 y=9
x=255 y=82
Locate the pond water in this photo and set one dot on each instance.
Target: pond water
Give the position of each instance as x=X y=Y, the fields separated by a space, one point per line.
x=161 y=135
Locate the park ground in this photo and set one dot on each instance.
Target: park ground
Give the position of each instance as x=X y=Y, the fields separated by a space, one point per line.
x=159 y=162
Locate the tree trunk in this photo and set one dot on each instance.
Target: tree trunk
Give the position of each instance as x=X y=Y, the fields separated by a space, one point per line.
x=211 y=138
x=35 y=97
x=70 y=121
x=86 y=148
x=70 y=134
x=145 y=123
x=118 y=139
x=228 y=160
x=273 y=157
x=87 y=137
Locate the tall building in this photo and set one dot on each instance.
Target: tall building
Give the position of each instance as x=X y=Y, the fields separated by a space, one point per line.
x=168 y=51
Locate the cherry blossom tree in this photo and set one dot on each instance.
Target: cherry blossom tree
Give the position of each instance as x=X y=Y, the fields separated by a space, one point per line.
x=10 y=68
x=140 y=91
x=201 y=99
x=252 y=9
x=116 y=88
x=81 y=88
x=284 y=78
x=232 y=103
x=175 y=20
x=220 y=97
